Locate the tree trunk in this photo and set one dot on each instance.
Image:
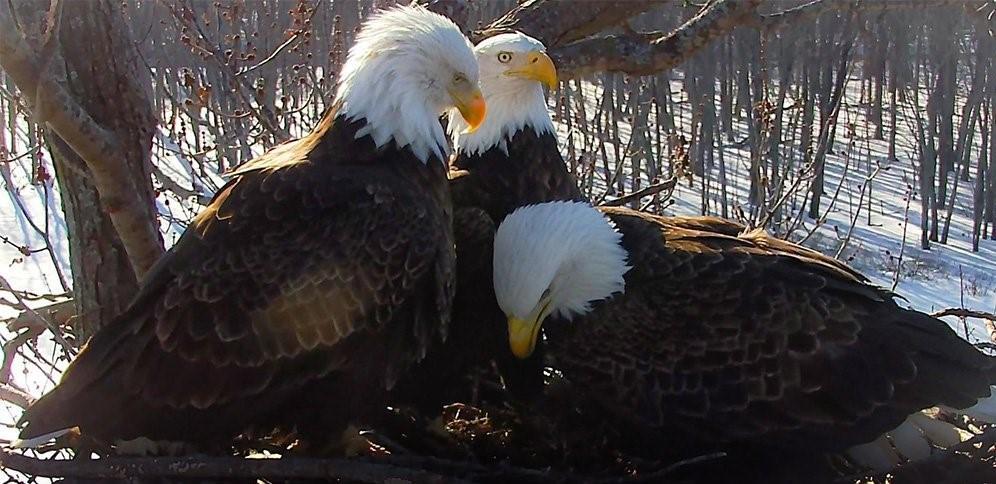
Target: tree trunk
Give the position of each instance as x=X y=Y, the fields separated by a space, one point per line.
x=103 y=75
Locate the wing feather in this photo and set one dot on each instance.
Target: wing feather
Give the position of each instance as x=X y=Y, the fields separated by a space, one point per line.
x=752 y=337
x=284 y=266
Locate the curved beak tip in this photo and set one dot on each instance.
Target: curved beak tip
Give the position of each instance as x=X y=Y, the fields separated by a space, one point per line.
x=522 y=337
x=549 y=77
x=473 y=111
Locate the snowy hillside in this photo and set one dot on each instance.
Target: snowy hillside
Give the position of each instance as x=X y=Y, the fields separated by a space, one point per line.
x=946 y=276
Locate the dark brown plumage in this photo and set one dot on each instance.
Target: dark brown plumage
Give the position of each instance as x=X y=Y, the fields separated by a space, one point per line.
x=494 y=184
x=485 y=188
x=749 y=340
x=532 y=171
x=316 y=276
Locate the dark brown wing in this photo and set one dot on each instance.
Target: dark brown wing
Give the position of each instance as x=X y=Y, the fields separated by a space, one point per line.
x=269 y=290
x=485 y=188
x=478 y=332
x=752 y=339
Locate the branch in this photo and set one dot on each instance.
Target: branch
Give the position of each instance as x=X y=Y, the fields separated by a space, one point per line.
x=964 y=313
x=219 y=467
x=97 y=146
x=557 y=23
x=15 y=396
x=36 y=318
x=645 y=192
x=280 y=48
x=811 y=10
x=648 y=53
x=567 y=30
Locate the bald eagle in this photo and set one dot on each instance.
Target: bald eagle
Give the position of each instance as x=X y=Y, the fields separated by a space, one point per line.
x=693 y=339
x=317 y=275
x=511 y=160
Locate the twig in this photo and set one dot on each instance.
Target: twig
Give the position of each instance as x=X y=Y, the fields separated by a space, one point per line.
x=811 y=10
x=658 y=475
x=902 y=246
x=282 y=46
x=56 y=332
x=667 y=185
x=219 y=467
x=857 y=213
x=10 y=351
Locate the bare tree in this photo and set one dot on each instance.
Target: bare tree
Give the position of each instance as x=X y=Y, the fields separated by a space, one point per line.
x=101 y=133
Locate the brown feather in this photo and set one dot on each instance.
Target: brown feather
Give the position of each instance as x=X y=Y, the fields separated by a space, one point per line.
x=724 y=336
x=311 y=257
x=486 y=187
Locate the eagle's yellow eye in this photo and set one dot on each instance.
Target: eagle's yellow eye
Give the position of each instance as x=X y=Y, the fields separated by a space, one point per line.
x=504 y=57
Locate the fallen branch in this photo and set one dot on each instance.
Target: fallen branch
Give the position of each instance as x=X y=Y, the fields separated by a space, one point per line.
x=965 y=313
x=218 y=467
x=644 y=192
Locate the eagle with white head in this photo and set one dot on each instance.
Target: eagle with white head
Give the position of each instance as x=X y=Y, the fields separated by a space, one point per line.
x=315 y=278
x=691 y=335
x=511 y=160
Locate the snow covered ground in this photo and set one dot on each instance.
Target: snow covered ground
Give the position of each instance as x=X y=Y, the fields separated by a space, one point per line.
x=949 y=275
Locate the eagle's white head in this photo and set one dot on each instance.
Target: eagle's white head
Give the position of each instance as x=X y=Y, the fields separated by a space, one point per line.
x=554 y=258
x=514 y=69
x=407 y=67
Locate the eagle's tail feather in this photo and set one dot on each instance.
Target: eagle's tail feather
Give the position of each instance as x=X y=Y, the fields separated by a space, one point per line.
x=47 y=416
x=40 y=440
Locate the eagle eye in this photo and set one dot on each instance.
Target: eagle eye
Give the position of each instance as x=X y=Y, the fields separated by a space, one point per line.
x=504 y=57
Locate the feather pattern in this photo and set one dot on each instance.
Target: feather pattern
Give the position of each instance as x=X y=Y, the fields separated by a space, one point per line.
x=723 y=336
x=278 y=293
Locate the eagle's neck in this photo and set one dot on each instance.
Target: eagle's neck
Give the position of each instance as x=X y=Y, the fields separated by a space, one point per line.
x=530 y=169
x=392 y=111
x=341 y=137
x=509 y=112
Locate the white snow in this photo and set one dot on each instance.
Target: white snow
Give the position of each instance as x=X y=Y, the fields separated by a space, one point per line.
x=947 y=275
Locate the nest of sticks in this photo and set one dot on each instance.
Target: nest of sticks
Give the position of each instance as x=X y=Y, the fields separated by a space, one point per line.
x=491 y=440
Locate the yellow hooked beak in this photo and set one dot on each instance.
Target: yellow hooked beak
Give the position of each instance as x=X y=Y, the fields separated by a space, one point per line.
x=523 y=333
x=538 y=67
x=469 y=101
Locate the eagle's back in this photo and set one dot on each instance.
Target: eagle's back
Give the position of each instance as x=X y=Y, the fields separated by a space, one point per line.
x=749 y=339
